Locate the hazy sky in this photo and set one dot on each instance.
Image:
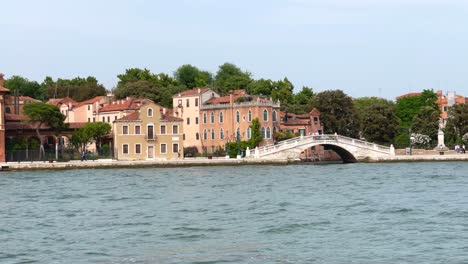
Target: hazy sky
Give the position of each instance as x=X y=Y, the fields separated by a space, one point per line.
x=364 y=47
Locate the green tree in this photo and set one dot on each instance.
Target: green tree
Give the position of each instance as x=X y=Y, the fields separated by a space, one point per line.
x=260 y=87
x=79 y=89
x=141 y=83
x=230 y=77
x=44 y=114
x=25 y=87
x=457 y=123
x=337 y=113
x=379 y=123
x=255 y=138
x=191 y=76
x=426 y=122
x=283 y=91
x=97 y=131
x=408 y=107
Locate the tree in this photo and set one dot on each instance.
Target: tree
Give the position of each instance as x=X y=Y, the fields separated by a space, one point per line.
x=91 y=131
x=283 y=91
x=457 y=123
x=379 y=123
x=79 y=89
x=25 y=87
x=260 y=87
x=44 y=114
x=142 y=83
x=426 y=122
x=191 y=76
x=408 y=107
x=255 y=138
x=337 y=113
x=230 y=77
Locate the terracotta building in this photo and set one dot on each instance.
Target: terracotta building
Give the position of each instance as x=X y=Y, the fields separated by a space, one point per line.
x=150 y=132
x=186 y=105
x=15 y=104
x=3 y=92
x=224 y=119
x=301 y=125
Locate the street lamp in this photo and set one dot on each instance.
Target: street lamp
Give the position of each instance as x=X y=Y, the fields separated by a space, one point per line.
x=411 y=145
x=238 y=144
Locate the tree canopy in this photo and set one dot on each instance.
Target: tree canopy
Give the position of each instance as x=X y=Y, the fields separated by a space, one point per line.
x=408 y=107
x=25 y=87
x=191 y=77
x=230 y=77
x=337 y=113
x=79 y=89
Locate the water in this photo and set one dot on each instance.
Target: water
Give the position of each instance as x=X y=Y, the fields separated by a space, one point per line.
x=354 y=213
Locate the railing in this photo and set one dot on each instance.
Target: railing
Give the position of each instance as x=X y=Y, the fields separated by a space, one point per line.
x=150 y=137
x=322 y=139
x=241 y=104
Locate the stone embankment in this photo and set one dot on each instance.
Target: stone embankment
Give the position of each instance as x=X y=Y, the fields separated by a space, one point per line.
x=410 y=158
x=109 y=163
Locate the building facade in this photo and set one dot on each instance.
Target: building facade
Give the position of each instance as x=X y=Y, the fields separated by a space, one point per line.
x=3 y=92
x=151 y=132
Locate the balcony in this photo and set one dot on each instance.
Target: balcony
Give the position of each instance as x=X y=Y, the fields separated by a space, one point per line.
x=150 y=137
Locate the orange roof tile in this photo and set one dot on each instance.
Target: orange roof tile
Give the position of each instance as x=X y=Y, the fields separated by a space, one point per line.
x=193 y=91
x=90 y=101
x=128 y=104
x=132 y=116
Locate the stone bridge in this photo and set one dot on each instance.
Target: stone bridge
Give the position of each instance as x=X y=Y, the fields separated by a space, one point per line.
x=349 y=149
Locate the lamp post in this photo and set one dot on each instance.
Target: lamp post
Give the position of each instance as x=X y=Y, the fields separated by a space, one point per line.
x=238 y=145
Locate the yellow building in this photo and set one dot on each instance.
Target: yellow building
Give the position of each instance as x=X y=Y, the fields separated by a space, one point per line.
x=151 y=132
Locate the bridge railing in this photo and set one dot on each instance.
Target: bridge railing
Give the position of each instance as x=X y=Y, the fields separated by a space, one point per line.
x=286 y=144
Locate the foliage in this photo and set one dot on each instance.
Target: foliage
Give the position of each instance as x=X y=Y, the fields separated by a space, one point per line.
x=457 y=123
x=44 y=114
x=191 y=77
x=337 y=113
x=427 y=122
x=379 y=123
x=402 y=140
x=280 y=136
x=25 y=87
x=408 y=107
x=191 y=151
x=420 y=140
x=260 y=87
x=79 y=89
x=141 y=83
x=255 y=138
x=91 y=131
x=283 y=91
x=230 y=77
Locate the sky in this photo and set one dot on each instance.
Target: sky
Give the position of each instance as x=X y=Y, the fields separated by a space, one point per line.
x=364 y=47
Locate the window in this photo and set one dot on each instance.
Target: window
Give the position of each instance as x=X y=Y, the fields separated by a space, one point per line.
x=204 y=118
x=221 y=134
x=250 y=116
x=115 y=117
x=274 y=116
x=125 y=148
x=180 y=103
x=221 y=117
x=89 y=119
x=125 y=130
x=163 y=129
x=196 y=120
x=301 y=132
x=175 y=129
x=265 y=115
x=262 y=132
x=137 y=148
x=94 y=119
x=7 y=110
x=150 y=132
x=89 y=108
x=268 y=133
x=445 y=108
x=315 y=119
x=175 y=148
x=188 y=121
x=238 y=134
x=237 y=117
x=137 y=130
x=150 y=112
x=249 y=133
x=163 y=148
x=205 y=135
x=197 y=136
x=212 y=133
x=108 y=119
x=103 y=119
x=196 y=101
x=212 y=117
x=187 y=103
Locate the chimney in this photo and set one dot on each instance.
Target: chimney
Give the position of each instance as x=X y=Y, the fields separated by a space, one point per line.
x=199 y=90
x=2 y=81
x=164 y=111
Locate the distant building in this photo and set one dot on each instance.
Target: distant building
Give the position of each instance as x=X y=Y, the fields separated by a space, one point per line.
x=301 y=125
x=150 y=132
x=15 y=104
x=3 y=93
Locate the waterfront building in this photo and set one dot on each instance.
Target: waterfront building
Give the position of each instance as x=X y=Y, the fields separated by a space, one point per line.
x=301 y=125
x=150 y=132
x=3 y=92
x=117 y=109
x=15 y=104
x=228 y=118
x=186 y=105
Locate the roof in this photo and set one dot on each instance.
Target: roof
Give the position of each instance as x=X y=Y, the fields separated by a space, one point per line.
x=193 y=91
x=127 y=104
x=220 y=100
x=408 y=95
x=168 y=116
x=2 y=81
x=90 y=101
x=65 y=100
x=22 y=98
x=131 y=117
